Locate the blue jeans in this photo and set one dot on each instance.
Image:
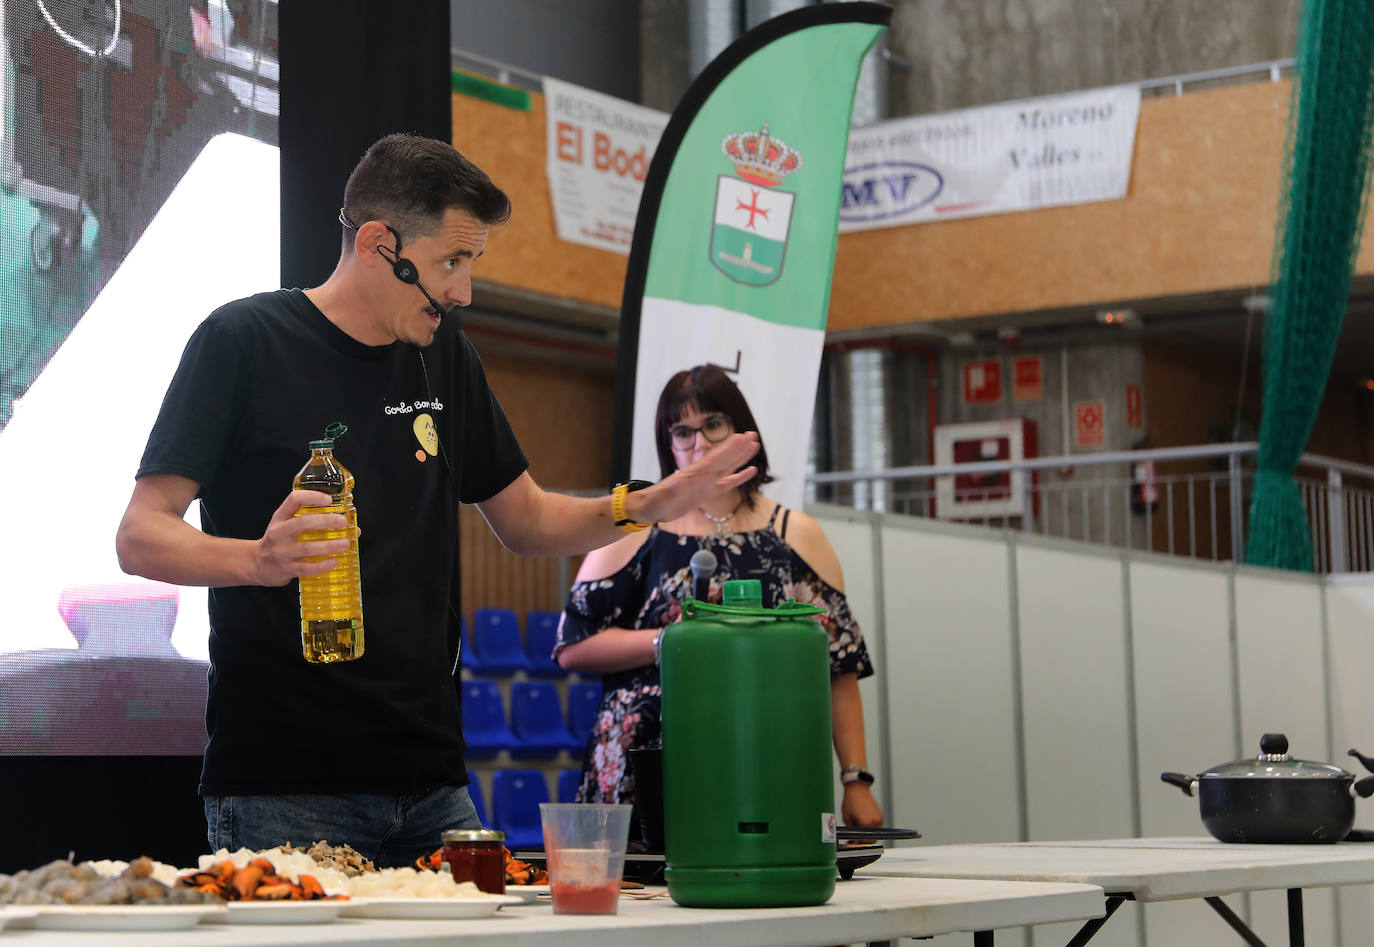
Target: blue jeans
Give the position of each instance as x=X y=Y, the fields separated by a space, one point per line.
x=392 y=831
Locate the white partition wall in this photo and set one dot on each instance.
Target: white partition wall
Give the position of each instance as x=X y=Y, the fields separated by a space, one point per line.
x=1350 y=689
x=1185 y=711
x=1075 y=694
x=1035 y=689
x=1185 y=699
x=852 y=534
x=1076 y=706
x=1280 y=657
x=951 y=713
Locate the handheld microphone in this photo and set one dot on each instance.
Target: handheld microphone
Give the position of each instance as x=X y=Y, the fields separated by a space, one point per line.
x=703 y=567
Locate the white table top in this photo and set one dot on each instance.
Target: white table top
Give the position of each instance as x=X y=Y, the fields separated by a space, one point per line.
x=1150 y=869
x=862 y=910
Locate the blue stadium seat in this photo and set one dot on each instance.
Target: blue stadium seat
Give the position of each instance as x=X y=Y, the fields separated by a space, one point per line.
x=515 y=798
x=568 y=781
x=496 y=639
x=541 y=633
x=484 y=720
x=475 y=794
x=536 y=717
x=469 y=660
x=584 y=698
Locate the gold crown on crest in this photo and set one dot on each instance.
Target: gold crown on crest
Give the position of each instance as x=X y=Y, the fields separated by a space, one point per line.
x=760 y=158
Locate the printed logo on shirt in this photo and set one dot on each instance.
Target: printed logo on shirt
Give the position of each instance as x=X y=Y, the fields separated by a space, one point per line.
x=425 y=433
x=404 y=407
x=422 y=424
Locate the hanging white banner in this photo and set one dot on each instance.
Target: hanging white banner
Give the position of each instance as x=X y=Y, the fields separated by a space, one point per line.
x=598 y=151
x=1064 y=149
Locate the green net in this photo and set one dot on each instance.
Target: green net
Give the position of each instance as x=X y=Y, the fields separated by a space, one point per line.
x=1320 y=218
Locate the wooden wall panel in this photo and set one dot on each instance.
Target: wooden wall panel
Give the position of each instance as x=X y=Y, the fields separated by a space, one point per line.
x=1199 y=218
x=526 y=253
x=562 y=417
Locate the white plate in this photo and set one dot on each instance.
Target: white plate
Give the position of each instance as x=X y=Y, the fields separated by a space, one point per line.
x=122 y=917
x=13 y=915
x=280 y=912
x=527 y=894
x=427 y=908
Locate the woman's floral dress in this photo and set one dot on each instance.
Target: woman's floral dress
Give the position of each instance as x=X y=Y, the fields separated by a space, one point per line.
x=647 y=593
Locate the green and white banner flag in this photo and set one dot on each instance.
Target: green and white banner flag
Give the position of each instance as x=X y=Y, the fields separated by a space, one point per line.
x=734 y=242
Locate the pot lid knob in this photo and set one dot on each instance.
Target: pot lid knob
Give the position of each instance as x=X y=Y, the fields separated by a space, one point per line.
x=1274 y=747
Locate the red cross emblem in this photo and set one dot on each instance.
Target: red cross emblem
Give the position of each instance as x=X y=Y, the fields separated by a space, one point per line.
x=752 y=208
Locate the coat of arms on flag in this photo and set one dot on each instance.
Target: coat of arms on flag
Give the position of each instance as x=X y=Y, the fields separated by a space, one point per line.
x=749 y=239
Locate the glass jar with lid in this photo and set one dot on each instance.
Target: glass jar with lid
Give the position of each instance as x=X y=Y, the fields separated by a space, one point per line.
x=477 y=855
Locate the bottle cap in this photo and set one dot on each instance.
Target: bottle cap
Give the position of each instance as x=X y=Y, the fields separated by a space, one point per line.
x=742 y=592
x=332 y=433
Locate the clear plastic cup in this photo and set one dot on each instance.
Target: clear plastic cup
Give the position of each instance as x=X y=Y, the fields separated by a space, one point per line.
x=585 y=846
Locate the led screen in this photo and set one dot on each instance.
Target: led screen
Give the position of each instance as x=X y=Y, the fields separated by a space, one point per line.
x=138 y=191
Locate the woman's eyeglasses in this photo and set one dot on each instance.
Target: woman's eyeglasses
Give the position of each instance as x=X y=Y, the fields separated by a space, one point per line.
x=715 y=428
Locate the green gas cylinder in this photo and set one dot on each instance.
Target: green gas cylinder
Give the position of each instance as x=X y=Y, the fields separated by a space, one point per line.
x=748 y=797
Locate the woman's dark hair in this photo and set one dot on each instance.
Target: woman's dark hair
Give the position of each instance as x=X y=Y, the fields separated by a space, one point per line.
x=709 y=390
x=411 y=182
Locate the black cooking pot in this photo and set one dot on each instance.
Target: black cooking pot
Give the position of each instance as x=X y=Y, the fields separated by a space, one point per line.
x=1274 y=798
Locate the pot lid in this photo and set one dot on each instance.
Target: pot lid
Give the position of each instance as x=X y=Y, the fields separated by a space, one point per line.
x=1273 y=761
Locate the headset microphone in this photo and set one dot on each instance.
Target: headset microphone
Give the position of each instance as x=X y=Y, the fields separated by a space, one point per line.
x=407 y=273
x=405 y=270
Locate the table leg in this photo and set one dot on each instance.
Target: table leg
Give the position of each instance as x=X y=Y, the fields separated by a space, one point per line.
x=1086 y=932
x=1239 y=926
x=1295 y=938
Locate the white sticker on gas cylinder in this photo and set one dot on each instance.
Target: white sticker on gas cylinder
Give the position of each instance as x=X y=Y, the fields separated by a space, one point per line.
x=828 y=827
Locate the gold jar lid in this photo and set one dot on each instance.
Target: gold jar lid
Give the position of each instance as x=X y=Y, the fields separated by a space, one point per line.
x=472 y=835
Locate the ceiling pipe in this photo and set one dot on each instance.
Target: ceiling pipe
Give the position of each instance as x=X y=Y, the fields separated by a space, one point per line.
x=932 y=375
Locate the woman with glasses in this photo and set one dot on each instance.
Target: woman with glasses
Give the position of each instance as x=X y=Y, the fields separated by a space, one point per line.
x=626 y=593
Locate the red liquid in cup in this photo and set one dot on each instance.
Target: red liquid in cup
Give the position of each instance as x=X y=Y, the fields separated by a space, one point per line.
x=575 y=899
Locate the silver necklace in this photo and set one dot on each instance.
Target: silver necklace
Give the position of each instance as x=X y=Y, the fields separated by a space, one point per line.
x=722 y=522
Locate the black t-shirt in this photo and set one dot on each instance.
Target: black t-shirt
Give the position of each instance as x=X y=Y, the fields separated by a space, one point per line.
x=260 y=379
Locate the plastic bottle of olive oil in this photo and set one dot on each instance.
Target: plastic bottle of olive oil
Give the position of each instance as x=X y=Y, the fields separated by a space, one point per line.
x=331 y=603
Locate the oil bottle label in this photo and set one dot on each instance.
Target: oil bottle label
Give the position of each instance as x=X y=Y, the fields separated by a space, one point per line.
x=828 y=828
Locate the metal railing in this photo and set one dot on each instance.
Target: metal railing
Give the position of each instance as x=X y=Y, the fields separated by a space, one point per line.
x=1184 y=501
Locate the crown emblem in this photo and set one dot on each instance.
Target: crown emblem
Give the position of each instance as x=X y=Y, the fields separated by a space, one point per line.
x=759 y=158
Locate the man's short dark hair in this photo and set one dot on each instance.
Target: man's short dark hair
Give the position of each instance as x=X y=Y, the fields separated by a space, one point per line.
x=411 y=182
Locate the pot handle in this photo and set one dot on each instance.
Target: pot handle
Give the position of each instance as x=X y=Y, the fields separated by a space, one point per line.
x=1367 y=761
x=1186 y=783
x=1363 y=788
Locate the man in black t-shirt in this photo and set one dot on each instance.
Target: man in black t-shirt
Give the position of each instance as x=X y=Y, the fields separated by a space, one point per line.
x=367 y=753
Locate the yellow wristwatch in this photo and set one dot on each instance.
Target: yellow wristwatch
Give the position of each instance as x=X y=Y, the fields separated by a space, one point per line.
x=618 y=514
